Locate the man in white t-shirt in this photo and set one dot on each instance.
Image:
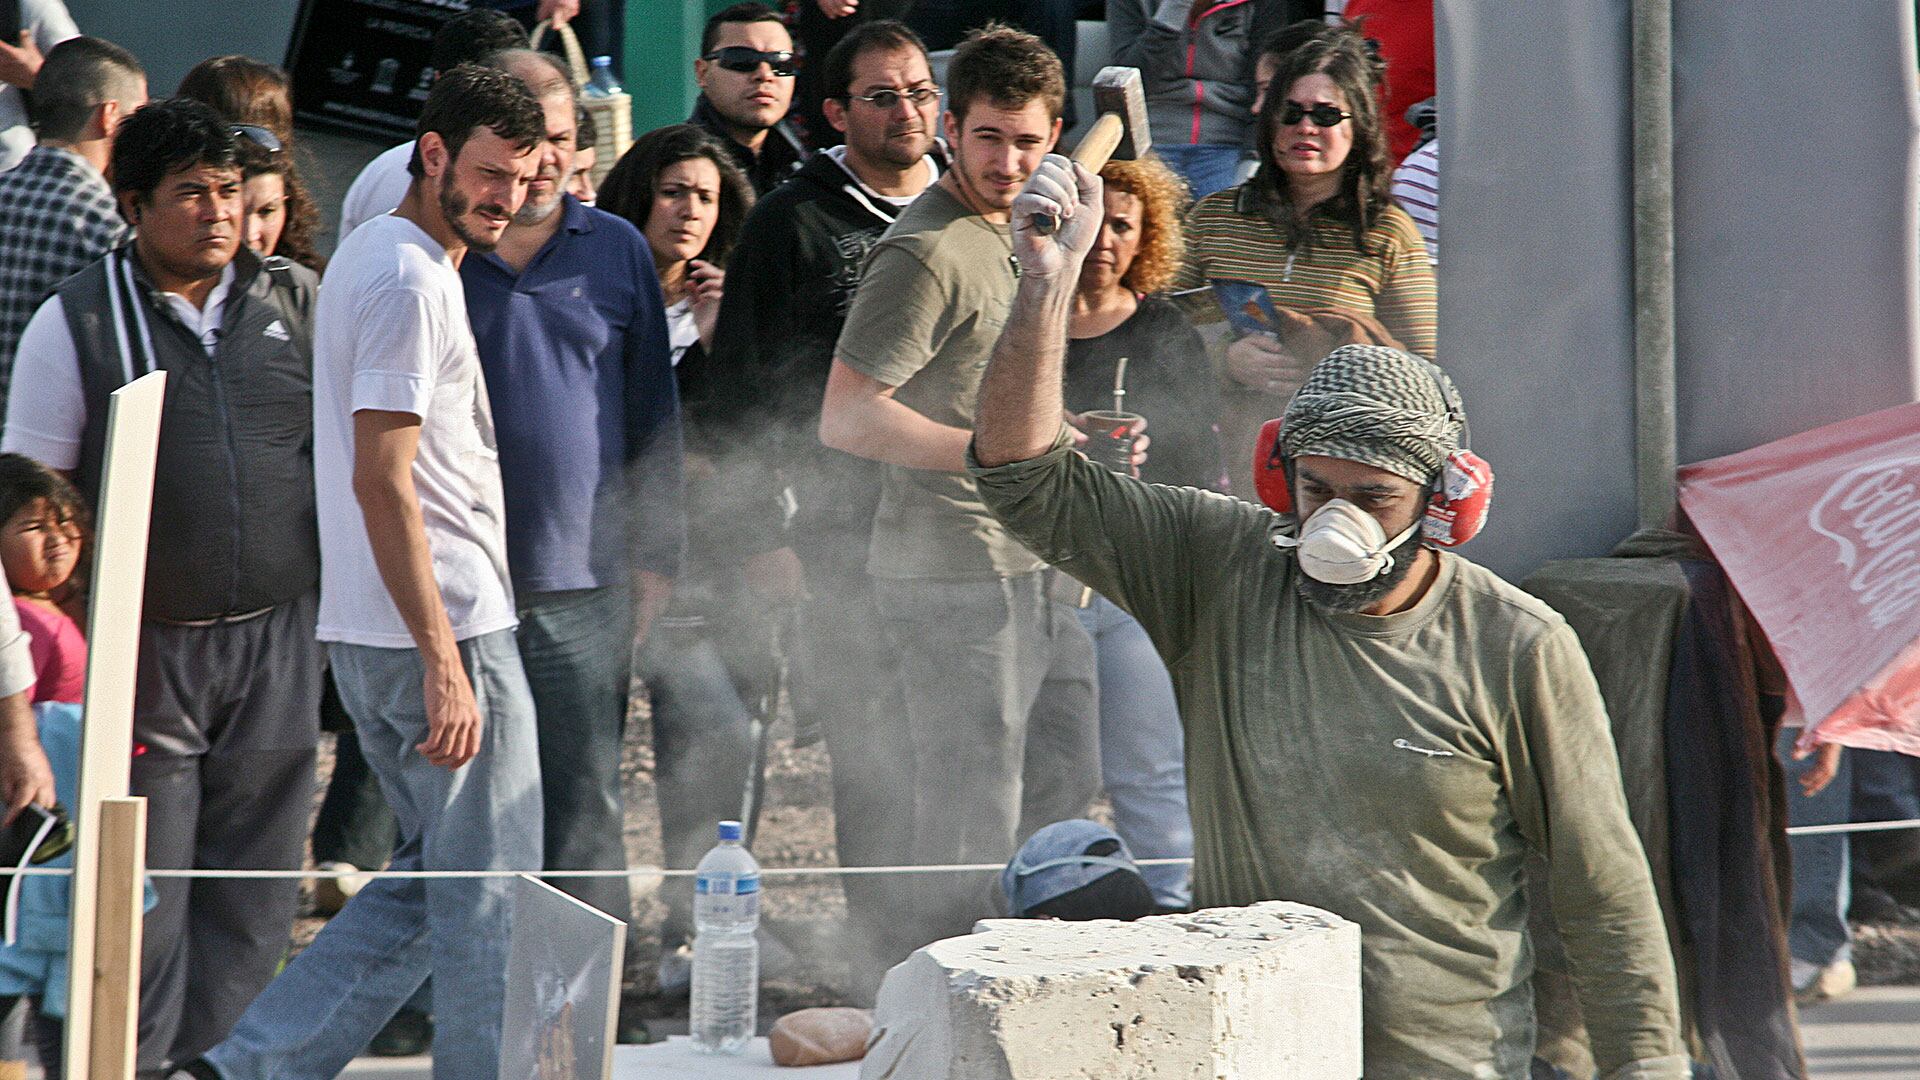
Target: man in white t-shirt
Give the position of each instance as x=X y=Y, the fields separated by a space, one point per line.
x=465 y=39
x=417 y=611
x=42 y=25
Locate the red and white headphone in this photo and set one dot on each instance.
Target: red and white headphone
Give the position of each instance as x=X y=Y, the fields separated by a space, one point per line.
x=1456 y=510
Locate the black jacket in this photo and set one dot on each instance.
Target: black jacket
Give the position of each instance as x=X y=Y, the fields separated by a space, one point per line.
x=1169 y=381
x=780 y=153
x=233 y=512
x=790 y=284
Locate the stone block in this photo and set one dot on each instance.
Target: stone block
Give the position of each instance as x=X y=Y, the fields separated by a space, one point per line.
x=1267 y=992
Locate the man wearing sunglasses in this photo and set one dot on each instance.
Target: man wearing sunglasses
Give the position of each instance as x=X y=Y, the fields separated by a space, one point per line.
x=745 y=71
x=789 y=285
x=227 y=701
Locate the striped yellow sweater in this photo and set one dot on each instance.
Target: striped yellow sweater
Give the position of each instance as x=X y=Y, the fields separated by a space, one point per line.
x=1227 y=237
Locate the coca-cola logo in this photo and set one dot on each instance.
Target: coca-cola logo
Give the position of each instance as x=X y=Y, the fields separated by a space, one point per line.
x=1873 y=514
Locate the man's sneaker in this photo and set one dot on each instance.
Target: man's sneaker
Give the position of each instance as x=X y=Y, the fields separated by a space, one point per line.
x=1824 y=984
x=675 y=972
x=409 y=1033
x=330 y=894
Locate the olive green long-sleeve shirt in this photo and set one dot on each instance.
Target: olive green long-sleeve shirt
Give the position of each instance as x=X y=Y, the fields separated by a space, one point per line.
x=1394 y=770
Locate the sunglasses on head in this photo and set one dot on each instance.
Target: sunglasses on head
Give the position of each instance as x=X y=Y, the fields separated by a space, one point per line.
x=1322 y=115
x=885 y=100
x=259 y=136
x=746 y=61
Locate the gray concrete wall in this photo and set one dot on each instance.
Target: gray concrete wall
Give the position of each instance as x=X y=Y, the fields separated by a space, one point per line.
x=1795 y=202
x=170 y=37
x=1795 y=242
x=1536 y=287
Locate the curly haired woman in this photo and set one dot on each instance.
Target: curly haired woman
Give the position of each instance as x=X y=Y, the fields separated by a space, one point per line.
x=1116 y=315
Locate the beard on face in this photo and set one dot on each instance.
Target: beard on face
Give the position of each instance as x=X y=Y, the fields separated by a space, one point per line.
x=1361 y=595
x=895 y=153
x=533 y=213
x=455 y=207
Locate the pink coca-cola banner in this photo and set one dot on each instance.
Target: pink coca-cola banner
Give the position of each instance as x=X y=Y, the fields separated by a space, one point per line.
x=1820 y=533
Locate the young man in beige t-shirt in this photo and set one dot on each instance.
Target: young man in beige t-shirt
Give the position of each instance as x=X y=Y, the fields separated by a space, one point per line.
x=999 y=679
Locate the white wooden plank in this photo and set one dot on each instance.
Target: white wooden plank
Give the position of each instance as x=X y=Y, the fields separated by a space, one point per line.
x=113 y=650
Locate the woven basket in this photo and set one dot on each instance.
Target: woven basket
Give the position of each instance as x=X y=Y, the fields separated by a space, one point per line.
x=612 y=116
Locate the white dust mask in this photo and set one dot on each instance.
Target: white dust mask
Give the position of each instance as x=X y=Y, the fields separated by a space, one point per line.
x=1341 y=544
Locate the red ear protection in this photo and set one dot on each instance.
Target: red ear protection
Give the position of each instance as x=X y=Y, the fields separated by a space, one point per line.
x=1458 y=507
x=1270 y=470
x=1455 y=513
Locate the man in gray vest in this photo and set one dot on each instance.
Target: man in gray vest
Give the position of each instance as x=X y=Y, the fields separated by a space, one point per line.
x=228 y=692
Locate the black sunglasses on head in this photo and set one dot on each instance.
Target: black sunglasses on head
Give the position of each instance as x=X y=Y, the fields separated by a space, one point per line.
x=259 y=136
x=1322 y=115
x=746 y=61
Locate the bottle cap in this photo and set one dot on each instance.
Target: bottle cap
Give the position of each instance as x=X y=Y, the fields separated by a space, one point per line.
x=730 y=830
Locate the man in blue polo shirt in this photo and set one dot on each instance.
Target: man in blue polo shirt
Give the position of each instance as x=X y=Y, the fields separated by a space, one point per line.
x=572 y=332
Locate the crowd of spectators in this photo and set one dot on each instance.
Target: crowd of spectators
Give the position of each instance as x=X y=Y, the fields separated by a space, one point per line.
x=706 y=428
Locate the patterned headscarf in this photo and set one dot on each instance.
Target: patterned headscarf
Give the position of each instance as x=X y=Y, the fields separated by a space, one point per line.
x=1377 y=406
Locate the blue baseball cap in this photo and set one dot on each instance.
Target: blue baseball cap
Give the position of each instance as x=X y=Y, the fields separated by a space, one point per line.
x=1054 y=862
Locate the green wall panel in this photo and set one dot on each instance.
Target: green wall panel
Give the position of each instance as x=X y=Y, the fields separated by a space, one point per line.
x=663 y=40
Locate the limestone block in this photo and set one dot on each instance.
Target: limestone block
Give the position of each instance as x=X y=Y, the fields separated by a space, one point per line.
x=1267 y=992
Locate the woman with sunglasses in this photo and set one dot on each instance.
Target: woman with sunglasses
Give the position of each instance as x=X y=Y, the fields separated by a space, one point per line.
x=1315 y=227
x=281 y=216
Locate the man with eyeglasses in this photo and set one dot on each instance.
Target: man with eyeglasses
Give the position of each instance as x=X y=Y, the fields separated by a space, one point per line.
x=789 y=285
x=745 y=71
x=227 y=698
x=1001 y=708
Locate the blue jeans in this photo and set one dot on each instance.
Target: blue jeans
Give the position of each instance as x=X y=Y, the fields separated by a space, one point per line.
x=1206 y=169
x=577 y=648
x=1142 y=755
x=1818 y=934
x=328 y=1004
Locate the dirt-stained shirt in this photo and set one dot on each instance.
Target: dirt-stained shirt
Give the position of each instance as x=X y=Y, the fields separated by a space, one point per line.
x=1395 y=770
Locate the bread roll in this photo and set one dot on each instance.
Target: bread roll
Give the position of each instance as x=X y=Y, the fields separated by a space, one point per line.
x=821 y=1036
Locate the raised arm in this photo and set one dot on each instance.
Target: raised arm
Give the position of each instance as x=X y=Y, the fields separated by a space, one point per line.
x=1020 y=396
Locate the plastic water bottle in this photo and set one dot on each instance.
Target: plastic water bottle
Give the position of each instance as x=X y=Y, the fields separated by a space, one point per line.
x=601 y=83
x=726 y=955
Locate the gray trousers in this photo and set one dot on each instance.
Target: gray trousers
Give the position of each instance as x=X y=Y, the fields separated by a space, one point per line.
x=1002 y=707
x=850 y=680
x=226 y=721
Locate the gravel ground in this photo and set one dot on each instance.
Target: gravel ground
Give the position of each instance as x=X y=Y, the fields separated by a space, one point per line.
x=1888 y=953
x=796 y=829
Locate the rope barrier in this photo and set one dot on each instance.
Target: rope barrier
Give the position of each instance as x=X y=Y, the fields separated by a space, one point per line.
x=1854 y=827
x=765 y=872
x=634 y=872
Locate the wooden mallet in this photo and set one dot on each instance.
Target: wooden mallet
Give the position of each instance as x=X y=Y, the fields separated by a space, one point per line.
x=1121 y=132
